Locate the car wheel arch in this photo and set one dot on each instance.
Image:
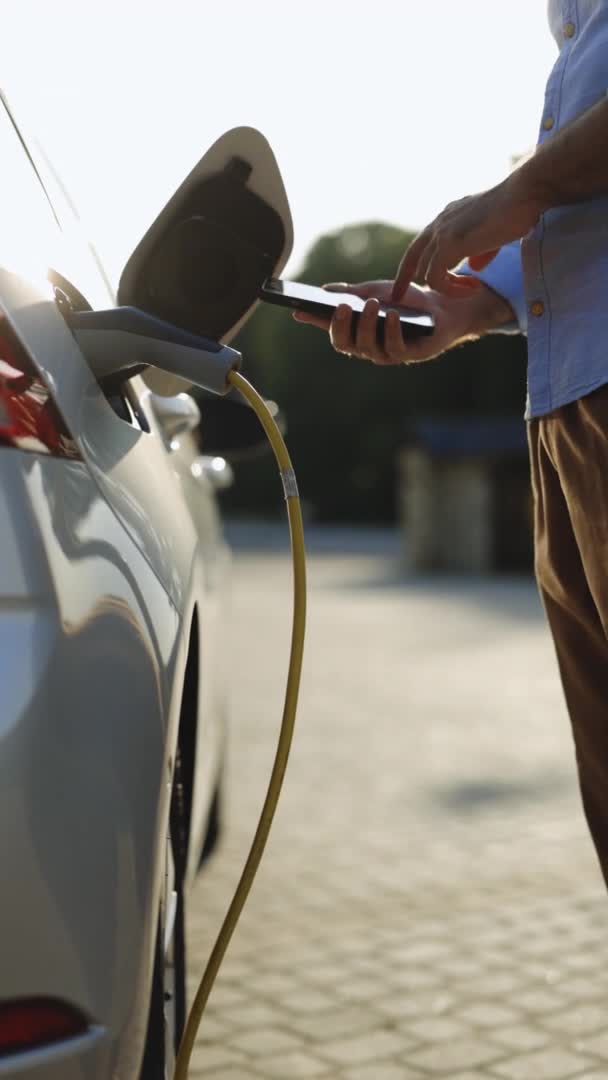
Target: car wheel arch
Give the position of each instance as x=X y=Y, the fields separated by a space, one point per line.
x=188 y=720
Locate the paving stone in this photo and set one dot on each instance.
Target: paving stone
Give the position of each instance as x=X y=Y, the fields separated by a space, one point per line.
x=581 y=1019
x=226 y=995
x=212 y=1029
x=414 y=979
x=553 y=1064
x=306 y=1000
x=479 y=1074
x=505 y=984
x=335 y=1023
x=436 y=1029
x=458 y=968
x=597 y=1044
x=217 y=1055
x=271 y=983
x=248 y=1016
x=444 y=1058
x=361 y=989
x=231 y=1073
x=539 y=1001
x=381 y=1071
x=326 y=973
x=421 y=1003
x=422 y=952
x=372 y=1046
x=521 y=1037
x=265 y=1040
x=584 y=961
x=580 y=988
x=488 y=1014
x=295 y=1065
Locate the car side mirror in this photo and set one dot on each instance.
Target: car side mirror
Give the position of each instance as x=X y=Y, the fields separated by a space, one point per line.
x=176 y=415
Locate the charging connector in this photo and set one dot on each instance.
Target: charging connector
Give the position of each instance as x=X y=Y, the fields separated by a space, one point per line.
x=124 y=341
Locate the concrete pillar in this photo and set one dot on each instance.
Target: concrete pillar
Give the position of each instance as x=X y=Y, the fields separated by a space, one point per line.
x=445 y=513
x=463 y=518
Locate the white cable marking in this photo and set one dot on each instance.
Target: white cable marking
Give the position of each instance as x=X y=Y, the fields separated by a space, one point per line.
x=290 y=484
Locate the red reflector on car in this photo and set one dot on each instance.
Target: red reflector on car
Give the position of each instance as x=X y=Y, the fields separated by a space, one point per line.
x=29 y=418
x=35 y=1022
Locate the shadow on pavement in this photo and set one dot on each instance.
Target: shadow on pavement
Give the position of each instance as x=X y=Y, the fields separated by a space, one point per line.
x=477 y=796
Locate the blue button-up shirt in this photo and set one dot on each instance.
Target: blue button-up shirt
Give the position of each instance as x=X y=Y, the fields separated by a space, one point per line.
x=557 y=280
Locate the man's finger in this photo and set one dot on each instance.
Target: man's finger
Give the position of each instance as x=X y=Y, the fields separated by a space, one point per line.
x=367 y=344
x=340 y=330
x=479 y=262
x=409 y=265
x=425 y=261
x=365 y=289
x=394 y=345
x=312 y=320
x=436 y=274
x=463 y=281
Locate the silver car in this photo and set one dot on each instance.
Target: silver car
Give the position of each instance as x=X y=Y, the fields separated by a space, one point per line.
x=112 y=584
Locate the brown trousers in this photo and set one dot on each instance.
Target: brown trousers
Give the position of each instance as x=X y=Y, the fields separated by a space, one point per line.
x=569 y=461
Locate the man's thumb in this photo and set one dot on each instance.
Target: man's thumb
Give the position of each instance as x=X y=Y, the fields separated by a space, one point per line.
x=364 y=289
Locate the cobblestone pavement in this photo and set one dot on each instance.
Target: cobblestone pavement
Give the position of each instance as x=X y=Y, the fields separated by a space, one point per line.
x=429 y=904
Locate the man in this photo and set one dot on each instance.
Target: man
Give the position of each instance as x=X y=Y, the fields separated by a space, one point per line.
x=537 y=250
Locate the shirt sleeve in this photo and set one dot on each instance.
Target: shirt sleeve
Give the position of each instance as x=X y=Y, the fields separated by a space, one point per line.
x=504 y=275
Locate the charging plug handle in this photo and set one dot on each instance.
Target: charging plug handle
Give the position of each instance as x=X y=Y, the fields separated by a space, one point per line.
x=123 y=341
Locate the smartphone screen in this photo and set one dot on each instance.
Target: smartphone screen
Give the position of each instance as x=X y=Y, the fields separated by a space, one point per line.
x=313 y=298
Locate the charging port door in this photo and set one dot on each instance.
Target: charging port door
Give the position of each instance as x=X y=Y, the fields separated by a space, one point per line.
x=226 y=229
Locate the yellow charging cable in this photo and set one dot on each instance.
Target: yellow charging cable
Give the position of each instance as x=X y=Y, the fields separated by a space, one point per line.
x=286 y=733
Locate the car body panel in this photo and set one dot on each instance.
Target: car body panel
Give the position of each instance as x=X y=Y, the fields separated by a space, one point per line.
x=83 y=782
x=131 y=467
x=163 y=506
x=85 y=1057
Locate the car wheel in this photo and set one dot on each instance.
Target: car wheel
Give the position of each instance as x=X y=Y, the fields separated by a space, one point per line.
x=167 y=1012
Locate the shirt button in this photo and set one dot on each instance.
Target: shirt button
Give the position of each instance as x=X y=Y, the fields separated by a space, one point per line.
x=548 y=123
x=569 y=30
x=537 y=308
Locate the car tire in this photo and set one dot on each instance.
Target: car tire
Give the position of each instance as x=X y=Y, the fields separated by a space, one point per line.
x=167 y=1010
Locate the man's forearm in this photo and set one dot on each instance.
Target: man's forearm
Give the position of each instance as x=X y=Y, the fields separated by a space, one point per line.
x=572 y=165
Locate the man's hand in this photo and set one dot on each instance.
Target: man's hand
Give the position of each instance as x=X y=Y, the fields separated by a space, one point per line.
x=456 y=320
x=477 y=227
x=569 y=167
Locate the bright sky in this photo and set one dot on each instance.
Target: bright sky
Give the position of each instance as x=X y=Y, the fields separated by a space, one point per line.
x=375 y=110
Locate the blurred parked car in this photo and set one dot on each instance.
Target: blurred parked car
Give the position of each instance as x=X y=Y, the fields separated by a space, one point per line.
x=113 y=585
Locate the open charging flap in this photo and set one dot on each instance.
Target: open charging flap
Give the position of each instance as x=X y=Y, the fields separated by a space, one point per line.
x=225 y=230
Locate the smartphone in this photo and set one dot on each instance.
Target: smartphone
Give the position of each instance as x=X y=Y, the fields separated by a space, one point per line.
x=312 y=298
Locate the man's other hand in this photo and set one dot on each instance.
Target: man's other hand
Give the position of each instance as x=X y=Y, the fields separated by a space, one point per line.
x=474 y=227
x=456 y=319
